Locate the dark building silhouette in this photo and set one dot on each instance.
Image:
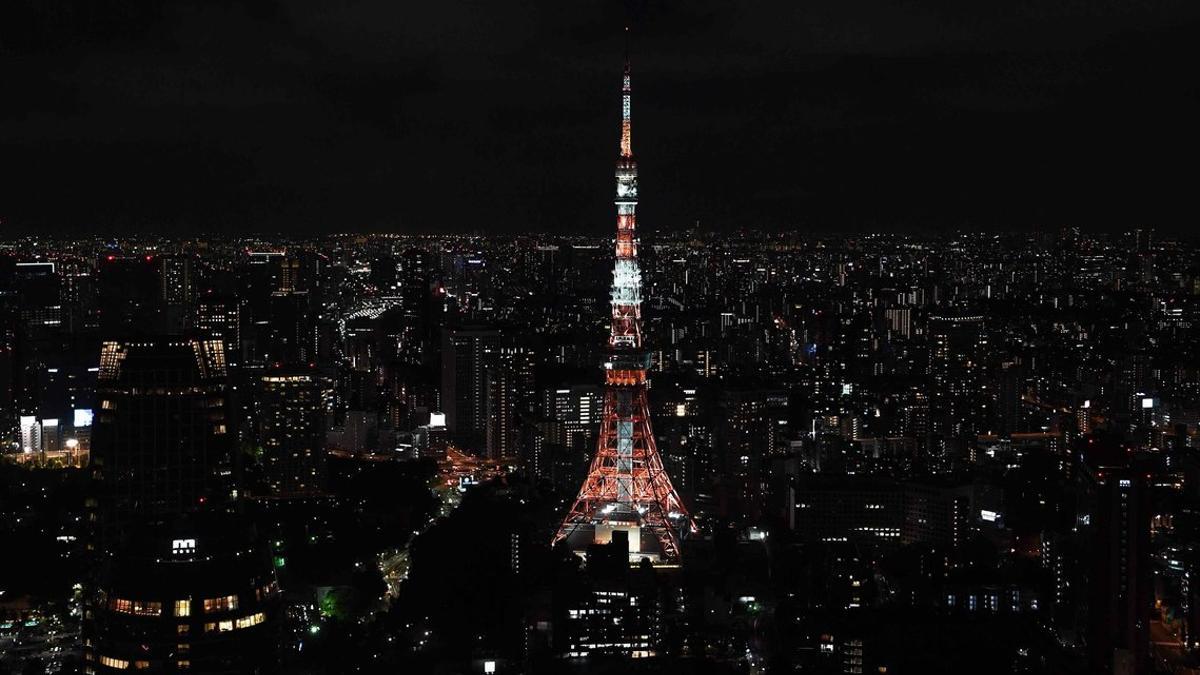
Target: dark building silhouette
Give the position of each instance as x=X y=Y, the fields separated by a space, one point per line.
x=1122 y=586
x=617 y=612
x=467 y=356
x=160 y=441
x=198 y=595
x=880 y=512
x=129 y=294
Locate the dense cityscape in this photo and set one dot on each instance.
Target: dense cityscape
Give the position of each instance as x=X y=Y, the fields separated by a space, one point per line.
x=884 y=441
x=895 y=447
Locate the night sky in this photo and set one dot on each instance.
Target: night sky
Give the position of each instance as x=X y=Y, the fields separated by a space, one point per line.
x=825 y=115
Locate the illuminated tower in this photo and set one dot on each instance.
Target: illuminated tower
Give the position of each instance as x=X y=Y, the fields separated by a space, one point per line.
x=627 y=488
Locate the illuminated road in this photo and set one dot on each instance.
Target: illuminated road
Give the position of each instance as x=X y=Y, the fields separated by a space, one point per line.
x=1167 y=649
x=456 y=471
x=50 y=642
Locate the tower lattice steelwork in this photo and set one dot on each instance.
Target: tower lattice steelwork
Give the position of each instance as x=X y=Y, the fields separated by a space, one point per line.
x=627 y=487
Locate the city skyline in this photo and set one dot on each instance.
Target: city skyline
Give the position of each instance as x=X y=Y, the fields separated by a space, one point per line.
x=731 y=443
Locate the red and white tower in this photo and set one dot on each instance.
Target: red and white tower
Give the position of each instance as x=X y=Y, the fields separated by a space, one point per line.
x=627 y=487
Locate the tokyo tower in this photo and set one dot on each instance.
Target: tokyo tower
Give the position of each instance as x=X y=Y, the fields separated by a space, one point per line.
x=627 y=487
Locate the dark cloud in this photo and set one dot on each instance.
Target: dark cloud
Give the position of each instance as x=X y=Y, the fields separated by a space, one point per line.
x=831 y=114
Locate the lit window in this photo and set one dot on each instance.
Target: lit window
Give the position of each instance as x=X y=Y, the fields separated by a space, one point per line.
x=119 y=664
x=226 y=603
x=183 y=608
x=184 y=664
x=251 y=620
x=137 y=607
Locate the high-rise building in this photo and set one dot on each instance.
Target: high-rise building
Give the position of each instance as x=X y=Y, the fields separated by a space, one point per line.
x=195 y=595
x=577 y=408
x=1083 y=418
x=129 y=298
x=1143 y=240
x=1009 y=394
x=509 y=396
x=415 y=286
x=880 y=512
x=1122 y=581
x=899 y=321
x=289 y=275
x=39 y=295
x=262 y=274
x=8 y=343
x=286 y=331
x=291 y=419
x=221 y=317
x=416 y=273
x=956 y=341
x=178 y=275
x=754 y=430
x=468 y=354
x=159 y=442
x=385 y=274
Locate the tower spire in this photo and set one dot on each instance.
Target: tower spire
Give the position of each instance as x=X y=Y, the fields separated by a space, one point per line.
x=627 y=488
x=627 y=34
x=626 y=90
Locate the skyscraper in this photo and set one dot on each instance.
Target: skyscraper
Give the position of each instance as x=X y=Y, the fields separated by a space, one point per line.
x=509 y=395
x=291 y=419
x=1122 y=585
x=467 y=354
x=129 y=294
x=627 y=489
x=177 y=274
x=576 y=407
x=160 y=444
x=178 y=277
x=415 y=277
x=221 y=317
x=956 y=340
